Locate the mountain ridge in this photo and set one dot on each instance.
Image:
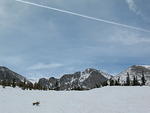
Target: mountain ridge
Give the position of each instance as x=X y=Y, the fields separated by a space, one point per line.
x=9 y=75
x=88 y=79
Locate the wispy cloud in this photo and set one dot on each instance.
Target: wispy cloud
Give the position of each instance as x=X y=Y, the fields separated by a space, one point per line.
x=40 y=66
x=30 y=37
x=133 y=7
x=128 y=38
x=87 y=17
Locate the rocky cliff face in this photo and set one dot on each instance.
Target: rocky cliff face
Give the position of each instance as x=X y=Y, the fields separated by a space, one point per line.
x=51 y=83
x=8 y=75
x=88 y=79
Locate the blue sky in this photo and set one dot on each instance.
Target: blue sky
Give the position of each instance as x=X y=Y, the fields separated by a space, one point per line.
x=38 y=42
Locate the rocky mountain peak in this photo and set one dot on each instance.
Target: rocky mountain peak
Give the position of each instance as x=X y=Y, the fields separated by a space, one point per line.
x=87 y=79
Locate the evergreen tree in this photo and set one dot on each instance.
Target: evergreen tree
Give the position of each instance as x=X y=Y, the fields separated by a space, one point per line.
x=20 y=84
x=135 y=81
x=112 y=82
x=98 y=85
x=105 y=83
x=127 y=80
x=143 y=79
x=78 y=88
x=29 y=86
x=14 y=83
x=4 y=83
x=24 y=85
x=35 y=86
x=117 y=83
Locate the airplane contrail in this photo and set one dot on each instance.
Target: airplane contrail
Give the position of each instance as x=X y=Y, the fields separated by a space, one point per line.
x=84 y=16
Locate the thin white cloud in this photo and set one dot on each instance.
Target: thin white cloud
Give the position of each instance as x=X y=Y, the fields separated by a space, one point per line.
x=83 y=16
x=128 y=38
x=40 y=66
x=133 y=7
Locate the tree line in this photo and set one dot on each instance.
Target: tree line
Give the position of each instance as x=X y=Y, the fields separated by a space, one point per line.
x=25 y=85
x=21 y=84
x=127 y=82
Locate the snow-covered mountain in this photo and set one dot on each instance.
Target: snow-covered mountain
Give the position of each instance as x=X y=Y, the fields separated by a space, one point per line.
x=135 y=71
x=8 y=75
x=88 y=79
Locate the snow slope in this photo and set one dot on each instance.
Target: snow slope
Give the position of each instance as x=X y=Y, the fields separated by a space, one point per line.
x=102 y=100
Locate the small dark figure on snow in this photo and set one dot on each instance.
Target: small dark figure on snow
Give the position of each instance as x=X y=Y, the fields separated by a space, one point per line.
x=36 y=103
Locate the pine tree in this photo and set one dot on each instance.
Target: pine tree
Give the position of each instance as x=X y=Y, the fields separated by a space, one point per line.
x=105 y=83
x=35 y=86
x=98 y=85
x=20 y=84
x=127 y=80
x=116 y=83
x=112 y=82
x=135 y=81
x=29 y=86
x=4 y=83
x=143 y=79
x=24 y=85
x=14 y=83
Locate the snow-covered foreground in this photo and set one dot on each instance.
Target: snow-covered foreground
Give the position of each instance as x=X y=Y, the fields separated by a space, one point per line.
x=102 y=100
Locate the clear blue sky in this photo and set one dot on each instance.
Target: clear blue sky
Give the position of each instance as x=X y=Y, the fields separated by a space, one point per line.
x=39 y=42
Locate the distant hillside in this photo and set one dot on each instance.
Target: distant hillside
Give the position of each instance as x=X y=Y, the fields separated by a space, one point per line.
x=9 y=76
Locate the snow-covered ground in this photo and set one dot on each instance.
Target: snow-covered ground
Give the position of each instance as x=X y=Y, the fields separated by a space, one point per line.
x=102 y=100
